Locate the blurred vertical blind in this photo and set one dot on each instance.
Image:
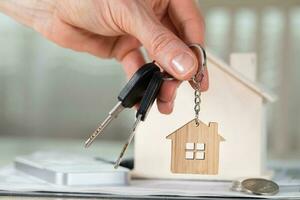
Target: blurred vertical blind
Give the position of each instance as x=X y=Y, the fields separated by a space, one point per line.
x=271 y=28
x=50 y=91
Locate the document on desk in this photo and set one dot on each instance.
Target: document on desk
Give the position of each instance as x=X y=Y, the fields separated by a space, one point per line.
x=13 y=181
x=61 y=168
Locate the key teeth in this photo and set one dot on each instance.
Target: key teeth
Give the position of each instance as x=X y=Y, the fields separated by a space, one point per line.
x=117 y=164
x=87 y=143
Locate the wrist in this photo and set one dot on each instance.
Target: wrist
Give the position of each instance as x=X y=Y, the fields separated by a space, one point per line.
x=17 y=10
x=26 y=11
x=3 y=5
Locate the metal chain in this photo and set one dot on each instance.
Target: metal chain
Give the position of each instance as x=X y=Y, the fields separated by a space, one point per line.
x=197 y=80
x=197 y=107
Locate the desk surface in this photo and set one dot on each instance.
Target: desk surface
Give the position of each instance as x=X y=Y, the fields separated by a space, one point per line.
x=11 y=147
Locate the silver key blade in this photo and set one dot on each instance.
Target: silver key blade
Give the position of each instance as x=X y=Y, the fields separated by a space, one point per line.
x=112 y=115
x=131 y=136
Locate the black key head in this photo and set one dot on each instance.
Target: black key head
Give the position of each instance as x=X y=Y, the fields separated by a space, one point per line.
x=150 y=95
x=134 y=90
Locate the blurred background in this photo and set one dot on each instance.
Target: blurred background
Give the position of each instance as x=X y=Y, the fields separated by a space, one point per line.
x=50 y=92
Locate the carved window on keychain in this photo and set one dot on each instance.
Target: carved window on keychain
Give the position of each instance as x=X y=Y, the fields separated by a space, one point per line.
x=194 y=152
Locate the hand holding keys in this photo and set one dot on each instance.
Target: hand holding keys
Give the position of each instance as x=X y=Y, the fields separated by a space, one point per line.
x=143 y=87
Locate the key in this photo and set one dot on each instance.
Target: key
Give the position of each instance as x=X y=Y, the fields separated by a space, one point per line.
x=130 y=95
x=146 y=104
x=150 y=96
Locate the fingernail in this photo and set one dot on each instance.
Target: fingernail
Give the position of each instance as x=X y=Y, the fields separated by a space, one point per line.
x=172 y=106
x=183 y=63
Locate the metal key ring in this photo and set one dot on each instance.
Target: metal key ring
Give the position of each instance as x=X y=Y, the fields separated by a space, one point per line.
x=166 y=76
x=203 y=59
x=203 y=63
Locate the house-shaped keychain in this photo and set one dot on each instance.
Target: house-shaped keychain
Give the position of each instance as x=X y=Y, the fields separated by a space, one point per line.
x=195 y=149
x=235 y=101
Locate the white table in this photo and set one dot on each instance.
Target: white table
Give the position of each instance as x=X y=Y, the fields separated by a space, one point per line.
x=12 y=147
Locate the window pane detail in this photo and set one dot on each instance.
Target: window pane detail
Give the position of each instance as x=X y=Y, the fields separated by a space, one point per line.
x=190 y=146
x=200 y=155
x=200 y=146
x=189 y=155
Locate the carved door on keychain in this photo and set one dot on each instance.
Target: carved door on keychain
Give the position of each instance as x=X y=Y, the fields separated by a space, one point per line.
x=195 y=149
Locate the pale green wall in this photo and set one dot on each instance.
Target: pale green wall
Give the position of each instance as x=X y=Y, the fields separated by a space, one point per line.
x=50 y=91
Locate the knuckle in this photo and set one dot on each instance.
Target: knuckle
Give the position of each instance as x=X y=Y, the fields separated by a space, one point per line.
x=160 y=41
x=202 y=20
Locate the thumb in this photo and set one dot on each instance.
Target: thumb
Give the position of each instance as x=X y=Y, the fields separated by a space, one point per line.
x=166 y=48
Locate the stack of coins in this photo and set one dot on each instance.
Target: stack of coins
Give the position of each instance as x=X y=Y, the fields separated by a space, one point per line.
x=255 y=186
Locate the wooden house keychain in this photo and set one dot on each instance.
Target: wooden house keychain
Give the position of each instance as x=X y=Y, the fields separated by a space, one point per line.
x=195 y=145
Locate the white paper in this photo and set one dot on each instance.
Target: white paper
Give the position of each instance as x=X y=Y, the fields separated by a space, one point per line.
x=13 y=181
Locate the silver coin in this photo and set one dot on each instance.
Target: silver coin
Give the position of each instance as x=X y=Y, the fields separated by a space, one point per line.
x=259 y=186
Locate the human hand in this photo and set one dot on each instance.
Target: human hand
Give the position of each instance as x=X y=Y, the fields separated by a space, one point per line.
x=118 y=28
